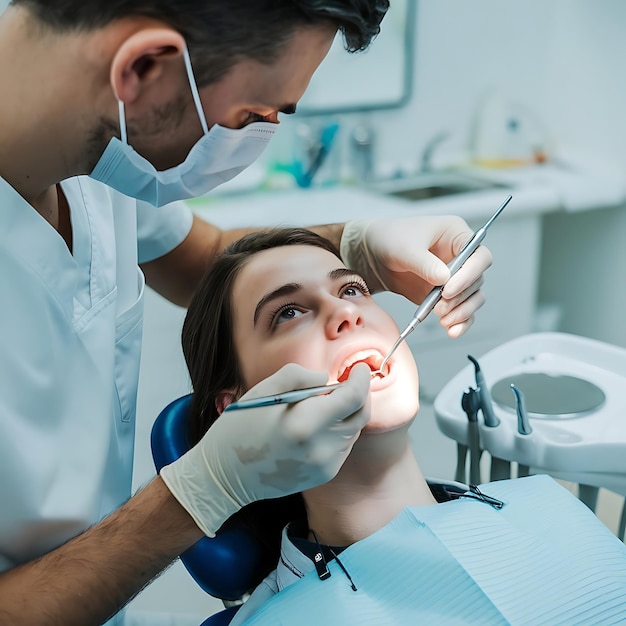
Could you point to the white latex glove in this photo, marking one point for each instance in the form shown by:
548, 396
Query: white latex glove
254, 454
409, 256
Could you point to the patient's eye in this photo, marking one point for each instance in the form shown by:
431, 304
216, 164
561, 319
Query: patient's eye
285, 313
355, 288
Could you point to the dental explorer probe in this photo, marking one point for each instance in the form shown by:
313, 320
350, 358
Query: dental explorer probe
424, 309
283, 398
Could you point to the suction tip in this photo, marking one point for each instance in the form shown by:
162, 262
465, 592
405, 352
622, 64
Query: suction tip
517, 392
523, 423
475, 362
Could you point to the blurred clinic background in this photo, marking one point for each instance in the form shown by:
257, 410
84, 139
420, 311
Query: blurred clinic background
455, 105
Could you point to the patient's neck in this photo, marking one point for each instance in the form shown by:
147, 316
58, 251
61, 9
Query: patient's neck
378, 480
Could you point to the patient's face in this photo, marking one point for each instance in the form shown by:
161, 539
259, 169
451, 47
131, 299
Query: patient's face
299, 304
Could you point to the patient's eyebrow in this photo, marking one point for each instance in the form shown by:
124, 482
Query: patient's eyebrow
284, 290
290, 288
342, 272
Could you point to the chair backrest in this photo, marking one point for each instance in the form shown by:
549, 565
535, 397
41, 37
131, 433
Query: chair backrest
230, 564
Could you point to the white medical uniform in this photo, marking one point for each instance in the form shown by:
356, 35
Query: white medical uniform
70, 344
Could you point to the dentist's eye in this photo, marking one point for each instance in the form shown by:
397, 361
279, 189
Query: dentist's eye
253, 117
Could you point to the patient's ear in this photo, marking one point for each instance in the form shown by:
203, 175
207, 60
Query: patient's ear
223, 399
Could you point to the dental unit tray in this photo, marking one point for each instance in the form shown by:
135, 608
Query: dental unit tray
575, 390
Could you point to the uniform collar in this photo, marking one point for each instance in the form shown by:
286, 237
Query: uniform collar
294, 564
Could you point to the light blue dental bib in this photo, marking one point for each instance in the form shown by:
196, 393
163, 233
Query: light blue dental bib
544, 558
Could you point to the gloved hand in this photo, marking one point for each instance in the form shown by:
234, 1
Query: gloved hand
409, 256
268, 452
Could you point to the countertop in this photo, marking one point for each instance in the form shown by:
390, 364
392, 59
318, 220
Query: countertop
536, 190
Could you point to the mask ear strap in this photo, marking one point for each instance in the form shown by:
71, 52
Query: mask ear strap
194, 90
120, 106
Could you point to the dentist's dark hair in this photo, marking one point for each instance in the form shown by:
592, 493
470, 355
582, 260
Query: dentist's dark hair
219, 33
207, 337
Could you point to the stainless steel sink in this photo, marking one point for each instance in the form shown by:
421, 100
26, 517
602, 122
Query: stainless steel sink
430, 186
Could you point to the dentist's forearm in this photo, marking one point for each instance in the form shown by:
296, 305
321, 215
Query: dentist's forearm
176, 275
332, 232
88, 579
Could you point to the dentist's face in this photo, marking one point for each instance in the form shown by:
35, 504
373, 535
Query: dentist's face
299, 304
253, 91
250, 91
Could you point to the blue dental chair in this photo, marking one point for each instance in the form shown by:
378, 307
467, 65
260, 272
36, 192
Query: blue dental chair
237, 558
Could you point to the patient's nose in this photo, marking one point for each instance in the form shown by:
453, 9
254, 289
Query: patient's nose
345, 317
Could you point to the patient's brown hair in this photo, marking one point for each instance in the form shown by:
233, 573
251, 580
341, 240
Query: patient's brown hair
207, 336
213, 365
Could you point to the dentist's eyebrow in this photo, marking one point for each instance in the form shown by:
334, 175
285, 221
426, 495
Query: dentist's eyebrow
290, 288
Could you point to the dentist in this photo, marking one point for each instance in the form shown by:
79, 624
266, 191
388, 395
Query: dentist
111, 113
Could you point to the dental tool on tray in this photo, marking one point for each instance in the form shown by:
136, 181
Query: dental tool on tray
424, 309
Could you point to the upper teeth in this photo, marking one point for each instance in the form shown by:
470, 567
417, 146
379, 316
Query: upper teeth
360, 356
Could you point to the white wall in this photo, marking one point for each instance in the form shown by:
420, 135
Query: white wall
584, 255
586, 94
463, 49
564, 59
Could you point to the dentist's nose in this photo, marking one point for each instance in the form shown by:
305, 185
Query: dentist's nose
343, 318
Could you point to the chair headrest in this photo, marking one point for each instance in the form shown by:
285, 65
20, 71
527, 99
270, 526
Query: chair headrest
169, 432
226, 566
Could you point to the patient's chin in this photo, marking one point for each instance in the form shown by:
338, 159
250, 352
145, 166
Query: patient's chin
390, 412
380, 426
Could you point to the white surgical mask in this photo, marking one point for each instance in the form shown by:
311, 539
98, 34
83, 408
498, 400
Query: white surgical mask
219, 155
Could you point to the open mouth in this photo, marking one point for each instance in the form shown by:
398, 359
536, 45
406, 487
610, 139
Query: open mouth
372, 358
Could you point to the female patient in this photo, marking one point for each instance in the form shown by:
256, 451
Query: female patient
285, 297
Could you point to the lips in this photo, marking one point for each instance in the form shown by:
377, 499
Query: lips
371, 357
